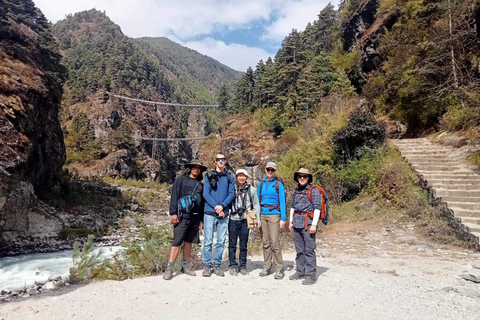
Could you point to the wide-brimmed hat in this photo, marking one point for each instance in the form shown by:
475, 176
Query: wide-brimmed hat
303, 171
242, 171
196, 162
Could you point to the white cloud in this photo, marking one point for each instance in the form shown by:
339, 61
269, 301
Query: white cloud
234, 55
184, 19
295, 15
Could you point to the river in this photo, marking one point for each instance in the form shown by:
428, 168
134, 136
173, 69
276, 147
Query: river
22, 271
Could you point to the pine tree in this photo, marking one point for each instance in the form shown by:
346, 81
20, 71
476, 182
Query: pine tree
223, 99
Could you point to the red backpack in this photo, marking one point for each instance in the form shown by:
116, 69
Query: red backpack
323, 210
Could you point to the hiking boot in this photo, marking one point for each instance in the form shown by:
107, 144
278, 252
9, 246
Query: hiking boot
308, 281
232, 271
243, 272
188, 271
296, 276
218, 271
279, 275
265, 272
168, 274
207, 271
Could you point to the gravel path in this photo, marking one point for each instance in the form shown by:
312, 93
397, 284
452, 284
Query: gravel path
366, 282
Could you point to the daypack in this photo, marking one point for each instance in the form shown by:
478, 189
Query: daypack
324, 211
186, 203
277, 182
213, 178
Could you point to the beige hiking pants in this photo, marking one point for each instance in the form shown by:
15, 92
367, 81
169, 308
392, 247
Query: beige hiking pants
271, 242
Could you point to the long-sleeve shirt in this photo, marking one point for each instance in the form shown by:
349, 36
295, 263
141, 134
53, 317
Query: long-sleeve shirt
242, 200
268, 195
301, 203
184, 186
222, 195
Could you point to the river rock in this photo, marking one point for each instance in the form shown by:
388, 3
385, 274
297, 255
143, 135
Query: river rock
54, 278
49, 285
32, 291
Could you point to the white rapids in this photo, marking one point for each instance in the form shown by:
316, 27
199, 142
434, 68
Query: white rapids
22, 271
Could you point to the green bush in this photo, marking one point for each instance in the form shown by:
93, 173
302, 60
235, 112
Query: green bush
358, 175
362, 130
84, 261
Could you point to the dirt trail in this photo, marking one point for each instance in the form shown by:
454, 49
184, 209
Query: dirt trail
364, 272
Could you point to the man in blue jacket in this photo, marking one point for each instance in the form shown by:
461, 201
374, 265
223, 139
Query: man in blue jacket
218, 192
271, 193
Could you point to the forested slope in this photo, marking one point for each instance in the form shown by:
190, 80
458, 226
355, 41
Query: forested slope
417, 61
197, 77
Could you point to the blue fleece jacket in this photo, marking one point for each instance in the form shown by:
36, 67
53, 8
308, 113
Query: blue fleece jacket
267, 193
222, 195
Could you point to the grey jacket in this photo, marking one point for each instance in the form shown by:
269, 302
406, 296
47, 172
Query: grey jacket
238, 203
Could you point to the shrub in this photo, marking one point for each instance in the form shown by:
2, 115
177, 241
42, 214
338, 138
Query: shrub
362, 130
358, 175
84, 261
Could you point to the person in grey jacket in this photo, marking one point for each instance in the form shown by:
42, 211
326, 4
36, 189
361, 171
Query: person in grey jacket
245, 199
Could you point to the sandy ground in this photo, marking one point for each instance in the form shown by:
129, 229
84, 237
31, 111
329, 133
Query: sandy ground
376, 272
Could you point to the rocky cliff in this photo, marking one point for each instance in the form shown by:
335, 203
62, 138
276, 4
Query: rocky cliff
361, 31
32, 149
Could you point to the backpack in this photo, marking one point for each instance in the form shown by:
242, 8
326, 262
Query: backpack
213, 178
277, 182
185, 204
324, 210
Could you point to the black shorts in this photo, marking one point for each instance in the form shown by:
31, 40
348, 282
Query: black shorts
186, 230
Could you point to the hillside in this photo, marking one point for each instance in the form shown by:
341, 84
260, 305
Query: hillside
415, 61
197, 77
100, 131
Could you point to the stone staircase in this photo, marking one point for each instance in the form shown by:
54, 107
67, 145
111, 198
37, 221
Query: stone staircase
454, 182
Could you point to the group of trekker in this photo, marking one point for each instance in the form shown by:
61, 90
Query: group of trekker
227, 201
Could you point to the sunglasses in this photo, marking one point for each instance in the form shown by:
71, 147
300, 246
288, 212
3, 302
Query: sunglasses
220, 159
302, 176
270, 170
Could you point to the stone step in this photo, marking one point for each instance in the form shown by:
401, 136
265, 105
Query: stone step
458, 193
451, 185
463, 213
440, 168
472, 220
460, 176
467, 200
425, 148
464, 205
411, 141
472, 227
434, 162
436, 157
426, 153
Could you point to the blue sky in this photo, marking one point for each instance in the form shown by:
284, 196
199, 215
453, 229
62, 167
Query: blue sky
236, 33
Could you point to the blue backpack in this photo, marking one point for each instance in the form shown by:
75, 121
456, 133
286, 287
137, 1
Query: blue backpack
185, 204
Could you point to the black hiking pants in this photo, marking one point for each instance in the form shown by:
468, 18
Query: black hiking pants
237, 230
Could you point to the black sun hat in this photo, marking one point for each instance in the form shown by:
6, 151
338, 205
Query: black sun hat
196, 162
